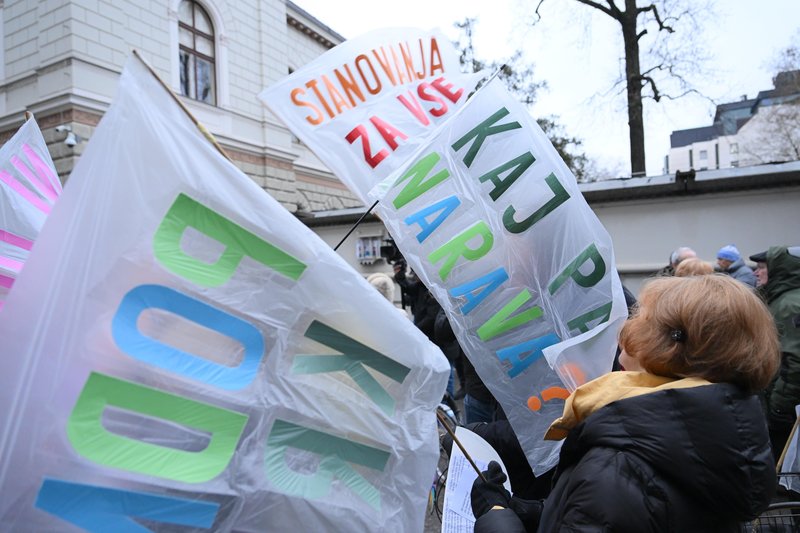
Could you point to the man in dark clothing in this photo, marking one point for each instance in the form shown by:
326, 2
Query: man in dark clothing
778, 273
423, 306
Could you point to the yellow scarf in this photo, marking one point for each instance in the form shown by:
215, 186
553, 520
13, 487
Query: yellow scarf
608, 388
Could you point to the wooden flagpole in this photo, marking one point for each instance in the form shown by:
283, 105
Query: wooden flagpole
452, 433
207, 134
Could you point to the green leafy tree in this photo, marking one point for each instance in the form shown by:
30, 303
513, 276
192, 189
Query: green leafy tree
520, 80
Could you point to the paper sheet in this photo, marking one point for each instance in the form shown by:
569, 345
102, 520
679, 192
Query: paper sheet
457, 515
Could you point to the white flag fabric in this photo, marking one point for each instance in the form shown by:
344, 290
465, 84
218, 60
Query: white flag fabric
366, 105
200, 358
493, 222
29, 187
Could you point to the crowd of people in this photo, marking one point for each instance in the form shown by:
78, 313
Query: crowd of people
684, 434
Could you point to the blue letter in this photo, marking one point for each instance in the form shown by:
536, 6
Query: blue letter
533, 348
444, 207
100, 509
131, 341
491, 281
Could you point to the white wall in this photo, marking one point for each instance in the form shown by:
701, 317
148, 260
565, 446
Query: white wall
646, 231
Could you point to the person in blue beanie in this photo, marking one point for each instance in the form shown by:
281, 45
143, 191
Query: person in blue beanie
730, 261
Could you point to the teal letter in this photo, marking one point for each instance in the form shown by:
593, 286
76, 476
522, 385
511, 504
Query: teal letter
524, 354
491, 281
416, 186
90, 439
443, 207
480, 132
355, 356
572, 270
581, 323
239, 242
335, 454
560, 195
457, 247
520, 165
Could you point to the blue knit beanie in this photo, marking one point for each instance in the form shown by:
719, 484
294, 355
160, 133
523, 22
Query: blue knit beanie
729, 253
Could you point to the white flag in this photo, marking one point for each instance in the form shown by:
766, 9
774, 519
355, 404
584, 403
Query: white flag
200, 358
493, 222
29, 187
365, 106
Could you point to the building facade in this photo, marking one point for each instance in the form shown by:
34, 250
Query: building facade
764, 129
61, 60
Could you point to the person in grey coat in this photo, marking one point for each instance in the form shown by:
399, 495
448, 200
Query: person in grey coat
730, 261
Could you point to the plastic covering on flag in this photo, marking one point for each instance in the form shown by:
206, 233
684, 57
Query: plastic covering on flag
366, 105
181, 352
492, 220
29, 187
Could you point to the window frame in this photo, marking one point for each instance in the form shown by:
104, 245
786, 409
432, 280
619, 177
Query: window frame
192, 88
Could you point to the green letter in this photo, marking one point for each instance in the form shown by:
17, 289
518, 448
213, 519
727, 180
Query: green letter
90, 439
186, 212
520, 165
356, 355
581, 323
480, 132
572, 270
416, 186
559, 197
335, 453
500, 322
457, 246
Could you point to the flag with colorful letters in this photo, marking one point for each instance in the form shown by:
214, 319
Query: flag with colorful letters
492, 220
29, 187
200, 359
366, 105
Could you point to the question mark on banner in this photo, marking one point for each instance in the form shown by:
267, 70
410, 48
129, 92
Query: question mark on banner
573, 371
550, 393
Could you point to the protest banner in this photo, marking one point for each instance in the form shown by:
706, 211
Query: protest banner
492, 220
366, 105
29, 187
200, 358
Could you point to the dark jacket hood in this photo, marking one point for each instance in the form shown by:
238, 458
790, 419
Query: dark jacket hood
711, 441
783, 271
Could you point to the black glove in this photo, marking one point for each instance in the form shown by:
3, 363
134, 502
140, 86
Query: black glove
486, 495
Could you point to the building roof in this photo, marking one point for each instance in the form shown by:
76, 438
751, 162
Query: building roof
731, 116
693, 183
680, 138
311, 26
682, 184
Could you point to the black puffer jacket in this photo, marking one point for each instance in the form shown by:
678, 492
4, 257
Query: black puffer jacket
680, 460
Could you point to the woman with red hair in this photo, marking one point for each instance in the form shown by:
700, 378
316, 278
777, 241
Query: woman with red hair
677, 441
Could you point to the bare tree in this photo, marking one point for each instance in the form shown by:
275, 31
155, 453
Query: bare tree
668, 30
772, 135
521, 81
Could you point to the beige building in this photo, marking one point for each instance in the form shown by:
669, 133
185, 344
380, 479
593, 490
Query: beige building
61, 60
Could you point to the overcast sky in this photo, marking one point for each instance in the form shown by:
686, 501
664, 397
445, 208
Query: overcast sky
577, 51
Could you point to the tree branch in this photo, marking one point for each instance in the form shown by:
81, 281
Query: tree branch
654, 9
536, 11
601, 7
647, 80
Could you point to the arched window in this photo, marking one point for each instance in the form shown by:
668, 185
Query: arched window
196, 53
